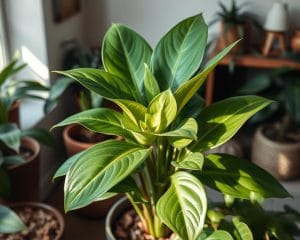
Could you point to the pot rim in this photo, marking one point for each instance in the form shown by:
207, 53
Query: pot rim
109, 217
270, 142
68, 136
47, 207
36, 148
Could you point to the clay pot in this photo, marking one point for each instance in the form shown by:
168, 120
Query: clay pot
231, 34
295, 41
114, 213
47, 208
25, 177
73, 146
282, 160
13, 113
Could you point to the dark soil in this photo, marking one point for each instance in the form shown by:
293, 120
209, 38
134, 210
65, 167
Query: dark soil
291, 136
41, 225
25, 152
87, 136
130, 227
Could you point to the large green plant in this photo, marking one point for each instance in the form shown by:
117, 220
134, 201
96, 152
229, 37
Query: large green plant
160, 164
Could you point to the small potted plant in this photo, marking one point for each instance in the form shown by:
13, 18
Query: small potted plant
160, 165
235, 24
278, 136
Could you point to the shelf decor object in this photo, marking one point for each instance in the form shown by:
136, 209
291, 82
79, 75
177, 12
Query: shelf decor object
276, 25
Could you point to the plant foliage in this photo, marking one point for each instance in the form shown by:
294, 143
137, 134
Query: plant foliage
160, 163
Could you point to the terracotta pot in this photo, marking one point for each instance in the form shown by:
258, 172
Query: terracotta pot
295, 41
70, 135
73, 146
25, 177
53, 211
282, 160
114, 213
13, 114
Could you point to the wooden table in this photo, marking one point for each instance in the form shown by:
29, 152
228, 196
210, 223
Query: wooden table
248, 61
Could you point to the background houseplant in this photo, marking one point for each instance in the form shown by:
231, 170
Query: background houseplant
236, 23
279, 133
160, 165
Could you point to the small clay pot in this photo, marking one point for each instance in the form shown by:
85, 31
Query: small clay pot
47, 208
282, 160
24, 177
295, 41
72, 133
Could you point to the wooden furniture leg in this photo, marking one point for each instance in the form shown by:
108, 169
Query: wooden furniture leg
209, 90
268, 43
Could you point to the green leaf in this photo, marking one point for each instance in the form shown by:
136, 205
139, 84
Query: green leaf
10, 135
10, 70
9, 221
216, 235
102, 83
56, 90
161, 111
102, 120
183, 207
256, 85
179, 53
239, 178
187, 90
64, 168
190, 161
151, 85
5, 186
41, 135
13, 160
220, 121
133, 110
98, 170
242, 231
124, 53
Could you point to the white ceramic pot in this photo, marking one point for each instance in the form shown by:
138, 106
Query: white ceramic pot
277, 18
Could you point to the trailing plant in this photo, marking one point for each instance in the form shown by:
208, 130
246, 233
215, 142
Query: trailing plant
283, 86
160, 164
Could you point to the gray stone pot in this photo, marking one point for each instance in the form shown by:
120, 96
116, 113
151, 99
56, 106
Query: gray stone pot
282, 160
117, 209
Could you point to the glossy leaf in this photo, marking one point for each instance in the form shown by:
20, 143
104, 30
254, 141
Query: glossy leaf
151, 85
183, 207
64, 168
102, 120
102, 83
190, 161
242, 231
179, 53
124, 53
187, 90
239, 178
99, 169
10, 136
220, 121
161, 111
9, 221
215, 235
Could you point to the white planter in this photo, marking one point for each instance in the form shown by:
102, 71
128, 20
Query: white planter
277, 18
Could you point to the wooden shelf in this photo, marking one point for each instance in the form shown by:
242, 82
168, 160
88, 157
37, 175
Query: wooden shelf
249, 61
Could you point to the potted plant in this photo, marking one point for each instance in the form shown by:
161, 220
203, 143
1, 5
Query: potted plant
278, 136
12, 90
159, 165
263, 224
235, 24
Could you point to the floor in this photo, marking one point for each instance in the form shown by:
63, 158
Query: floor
77, 227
